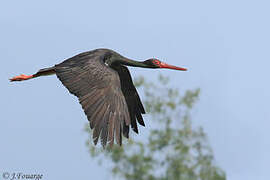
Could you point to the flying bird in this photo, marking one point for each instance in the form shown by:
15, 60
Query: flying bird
103, 84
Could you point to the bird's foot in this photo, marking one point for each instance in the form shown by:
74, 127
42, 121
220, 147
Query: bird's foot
21, 77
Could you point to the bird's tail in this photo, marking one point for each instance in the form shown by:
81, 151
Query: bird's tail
41, 72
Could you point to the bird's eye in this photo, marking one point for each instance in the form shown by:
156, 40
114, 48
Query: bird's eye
157, 62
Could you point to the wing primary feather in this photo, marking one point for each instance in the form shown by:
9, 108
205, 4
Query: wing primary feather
98, 126
126, 131
140, 118
117, 131
139, 102
96, 110
121, 134
134, 126
105, 121
133, 120
111, 128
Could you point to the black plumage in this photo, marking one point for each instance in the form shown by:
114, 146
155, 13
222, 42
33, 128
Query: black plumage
104, 87
107, 94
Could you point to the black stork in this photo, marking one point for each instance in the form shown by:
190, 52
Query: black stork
104, 87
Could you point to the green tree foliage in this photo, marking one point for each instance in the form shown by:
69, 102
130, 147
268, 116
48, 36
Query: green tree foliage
171, 148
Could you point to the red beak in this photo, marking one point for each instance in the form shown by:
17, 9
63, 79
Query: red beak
167, 66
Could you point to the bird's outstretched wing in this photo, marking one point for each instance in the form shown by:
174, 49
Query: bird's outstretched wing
98, 89
135, 106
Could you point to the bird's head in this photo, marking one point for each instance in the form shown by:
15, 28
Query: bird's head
155, 63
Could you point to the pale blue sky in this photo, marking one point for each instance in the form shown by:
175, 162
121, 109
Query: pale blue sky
225, 45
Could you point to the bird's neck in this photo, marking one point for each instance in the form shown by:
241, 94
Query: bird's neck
130, 62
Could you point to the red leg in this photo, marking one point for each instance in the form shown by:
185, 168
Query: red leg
21, 77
